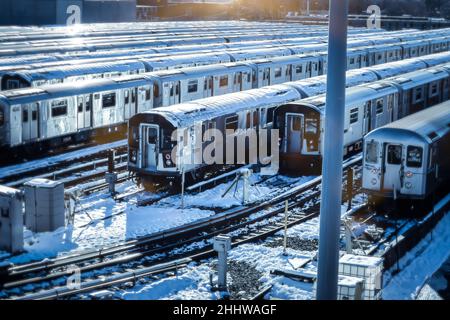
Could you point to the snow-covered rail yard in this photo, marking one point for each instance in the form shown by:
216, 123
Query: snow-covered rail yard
103, 196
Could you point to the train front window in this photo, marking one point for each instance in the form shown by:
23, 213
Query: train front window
372, 152
394, 154
152, 136
414, 157
311, 126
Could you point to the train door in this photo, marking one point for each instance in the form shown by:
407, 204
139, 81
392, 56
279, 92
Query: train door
126, 104
294, 130
88, 111
80, 112
237, 84
134, 102
149, 146
84, 113
208, 87
393, 167
266, 77
30, 122
368, 117
174, 94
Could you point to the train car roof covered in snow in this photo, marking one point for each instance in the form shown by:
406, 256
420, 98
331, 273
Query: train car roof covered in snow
63, 72
30, 95
318, 85
427, 125
413, 79
199, 71
187, 114
354, 95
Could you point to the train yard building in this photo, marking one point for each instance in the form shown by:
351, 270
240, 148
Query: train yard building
61, 12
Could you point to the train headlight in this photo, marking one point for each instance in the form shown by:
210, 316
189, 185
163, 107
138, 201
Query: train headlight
168, 163
408, 185
409, 174
167, 156
374, 181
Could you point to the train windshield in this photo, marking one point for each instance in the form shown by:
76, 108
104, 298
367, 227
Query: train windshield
414, 157
372, 152
311, 126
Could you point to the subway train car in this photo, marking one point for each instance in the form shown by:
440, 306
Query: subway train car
23, 109
408, 158
367, 107
299, 123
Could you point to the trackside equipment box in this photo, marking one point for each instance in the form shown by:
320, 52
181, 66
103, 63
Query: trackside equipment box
11, 220
44, 205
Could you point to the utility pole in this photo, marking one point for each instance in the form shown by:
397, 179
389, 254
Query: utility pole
330, 207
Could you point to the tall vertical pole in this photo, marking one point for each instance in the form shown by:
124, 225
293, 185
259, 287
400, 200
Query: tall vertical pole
330, 207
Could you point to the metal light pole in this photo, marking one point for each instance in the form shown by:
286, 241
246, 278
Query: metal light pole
330, 207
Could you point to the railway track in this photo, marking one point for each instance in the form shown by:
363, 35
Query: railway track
136, 251
69, 168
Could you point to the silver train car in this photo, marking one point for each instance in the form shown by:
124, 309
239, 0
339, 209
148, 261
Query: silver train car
23, 110
303, 129
408, 158
152, 43
276, 69
367, 107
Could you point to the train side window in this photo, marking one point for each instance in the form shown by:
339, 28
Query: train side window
380, 106
277, 72
127, 97
109, 100
298, 69
352, 60
33, 115
148, 94
192, 86
394, 154
414, 157
223, 82
2, 117
248, 122
418, 95
59, 108
255, 119
270, 113
354, 115
231, 123
372, 152
133, 96
25, 115
433, 89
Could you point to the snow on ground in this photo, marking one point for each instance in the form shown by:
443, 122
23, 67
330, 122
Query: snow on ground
419, 264
42, 163
104, 222
212, 198
193, 281
101, 221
